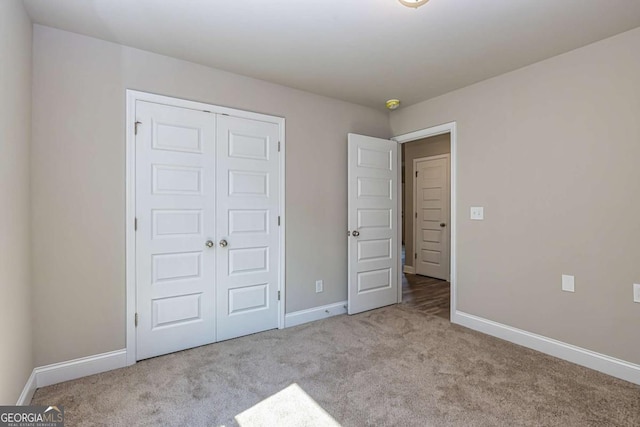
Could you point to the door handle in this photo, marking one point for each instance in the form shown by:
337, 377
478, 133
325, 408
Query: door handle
223, 243
355, 233
442, 224
209, 244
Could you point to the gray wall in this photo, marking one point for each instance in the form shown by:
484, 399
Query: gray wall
426, 147
551, 151
16, 357
78, 164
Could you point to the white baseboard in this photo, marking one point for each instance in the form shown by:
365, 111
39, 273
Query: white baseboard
316, 313
28, 390
78, 368
600, 362
409, 269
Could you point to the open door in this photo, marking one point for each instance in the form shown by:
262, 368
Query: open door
373, 222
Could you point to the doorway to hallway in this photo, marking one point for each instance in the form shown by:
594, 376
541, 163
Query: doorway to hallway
426, 224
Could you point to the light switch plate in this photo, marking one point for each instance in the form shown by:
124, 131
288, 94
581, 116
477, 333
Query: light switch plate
568, 283
636, 292
319, 286
477, 213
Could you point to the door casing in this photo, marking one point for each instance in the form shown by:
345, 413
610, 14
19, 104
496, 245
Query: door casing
132, 96
449, 128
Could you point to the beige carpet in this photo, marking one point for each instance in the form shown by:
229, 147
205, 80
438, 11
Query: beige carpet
394, 366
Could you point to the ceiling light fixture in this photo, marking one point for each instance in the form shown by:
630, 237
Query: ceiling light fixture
413, 3
392, 104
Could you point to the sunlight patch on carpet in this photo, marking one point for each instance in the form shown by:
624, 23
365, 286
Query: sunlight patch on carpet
289, 407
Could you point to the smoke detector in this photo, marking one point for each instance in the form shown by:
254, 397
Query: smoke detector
392, 104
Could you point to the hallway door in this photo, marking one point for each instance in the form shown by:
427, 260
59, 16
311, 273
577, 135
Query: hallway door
432, 212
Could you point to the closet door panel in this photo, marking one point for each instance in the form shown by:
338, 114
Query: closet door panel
175, 211
247, 226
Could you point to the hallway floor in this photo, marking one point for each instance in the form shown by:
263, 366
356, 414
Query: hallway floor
427, 294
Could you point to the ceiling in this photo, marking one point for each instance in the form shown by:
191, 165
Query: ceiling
362, 51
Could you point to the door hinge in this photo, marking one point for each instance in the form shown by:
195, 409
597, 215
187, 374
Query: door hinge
278, 220
135, 224
136, 127
136, 320
416, 214
415, 256
278, 146
278, 295
416, 174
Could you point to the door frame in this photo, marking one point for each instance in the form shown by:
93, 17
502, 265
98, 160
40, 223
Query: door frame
445, 128
415, 201
132, 96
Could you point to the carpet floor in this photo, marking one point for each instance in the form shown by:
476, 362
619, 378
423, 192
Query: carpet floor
394, 366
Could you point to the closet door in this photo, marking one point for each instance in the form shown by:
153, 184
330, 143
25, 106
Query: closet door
175, 212
247, 226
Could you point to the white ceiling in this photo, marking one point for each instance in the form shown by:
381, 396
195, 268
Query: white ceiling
363, 51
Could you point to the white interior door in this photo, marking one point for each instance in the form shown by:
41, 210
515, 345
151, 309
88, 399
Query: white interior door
431, 201
372, 212
175, 213
247, 228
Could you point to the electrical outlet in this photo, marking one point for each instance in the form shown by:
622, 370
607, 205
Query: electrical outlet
636, 292
477, 213
568, 283
319, 286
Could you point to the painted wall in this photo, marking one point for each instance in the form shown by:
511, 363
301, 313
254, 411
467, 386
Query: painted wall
78, 164
551, 151
16, 356
433, 146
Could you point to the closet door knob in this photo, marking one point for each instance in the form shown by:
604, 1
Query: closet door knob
356, 233
223, 243
209, 244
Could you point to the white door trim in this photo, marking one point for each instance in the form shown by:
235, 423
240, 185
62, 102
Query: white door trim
449, 128
132, 96
415, 198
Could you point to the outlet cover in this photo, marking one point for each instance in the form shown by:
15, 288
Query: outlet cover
568, 283
477, 213
636, 292
319, 286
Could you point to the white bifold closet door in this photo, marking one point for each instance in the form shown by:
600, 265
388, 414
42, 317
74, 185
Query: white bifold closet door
207, 240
